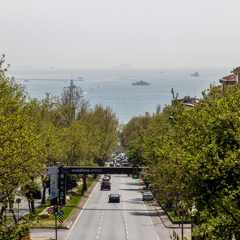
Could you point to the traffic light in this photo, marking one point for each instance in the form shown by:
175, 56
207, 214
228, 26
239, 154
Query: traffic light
181, 212
135, 172
56, 210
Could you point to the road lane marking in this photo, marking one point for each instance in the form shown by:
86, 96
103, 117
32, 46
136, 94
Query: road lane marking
81, 211
151, 221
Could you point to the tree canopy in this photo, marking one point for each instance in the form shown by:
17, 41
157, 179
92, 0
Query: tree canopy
193, 158
35, 133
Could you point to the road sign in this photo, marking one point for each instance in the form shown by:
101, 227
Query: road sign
50, 210
61, 212
61, 203
61, 198
60, 219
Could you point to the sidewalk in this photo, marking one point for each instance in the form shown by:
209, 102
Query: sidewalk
166, 222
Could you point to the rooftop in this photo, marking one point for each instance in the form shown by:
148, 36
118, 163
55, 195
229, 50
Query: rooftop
229, 80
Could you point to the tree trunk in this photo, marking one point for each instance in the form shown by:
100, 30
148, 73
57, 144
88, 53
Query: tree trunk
84, 184
29, 206
44, 193
12, 211
3, 210
32, 206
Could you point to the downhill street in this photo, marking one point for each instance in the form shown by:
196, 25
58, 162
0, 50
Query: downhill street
130, 219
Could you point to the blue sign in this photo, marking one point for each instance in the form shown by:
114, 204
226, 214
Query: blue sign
60, 212
61, 203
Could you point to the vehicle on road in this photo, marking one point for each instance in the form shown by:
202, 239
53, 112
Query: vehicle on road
117, 164
107, 175
111, 165
114, 197
148, 196
106, 179
106, 185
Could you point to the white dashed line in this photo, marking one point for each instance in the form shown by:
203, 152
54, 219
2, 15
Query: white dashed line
151, 221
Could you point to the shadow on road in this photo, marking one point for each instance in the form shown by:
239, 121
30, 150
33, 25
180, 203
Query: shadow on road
129, 189
145, 213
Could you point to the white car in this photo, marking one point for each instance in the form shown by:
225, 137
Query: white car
106, 179
148, 196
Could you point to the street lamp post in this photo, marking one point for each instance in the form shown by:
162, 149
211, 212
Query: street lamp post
192, 219
18, 202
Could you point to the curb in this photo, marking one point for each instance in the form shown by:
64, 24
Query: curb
72, 217
164, 216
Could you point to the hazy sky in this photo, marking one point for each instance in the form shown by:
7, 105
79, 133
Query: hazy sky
104, 33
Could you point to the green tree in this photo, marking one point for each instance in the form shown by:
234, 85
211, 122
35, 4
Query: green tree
22, 151
32, 192
199, 160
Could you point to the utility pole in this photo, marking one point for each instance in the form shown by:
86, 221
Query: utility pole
182, 228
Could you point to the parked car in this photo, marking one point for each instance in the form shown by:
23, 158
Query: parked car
106, 185
111, 165
148, 196
117, 164
150, 186
113, 197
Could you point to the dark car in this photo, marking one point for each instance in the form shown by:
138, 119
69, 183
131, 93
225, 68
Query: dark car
106, 185
113, 197
111, 165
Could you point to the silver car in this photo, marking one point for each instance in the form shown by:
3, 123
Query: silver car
148, 196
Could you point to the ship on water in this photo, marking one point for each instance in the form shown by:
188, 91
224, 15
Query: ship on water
141, 83
196, 74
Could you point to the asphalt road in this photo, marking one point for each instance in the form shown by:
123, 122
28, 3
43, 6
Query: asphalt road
130, 219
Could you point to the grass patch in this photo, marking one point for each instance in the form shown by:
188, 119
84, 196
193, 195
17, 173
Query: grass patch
67, 209
171, 213
175, 218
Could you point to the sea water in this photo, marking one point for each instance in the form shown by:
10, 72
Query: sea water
114, 87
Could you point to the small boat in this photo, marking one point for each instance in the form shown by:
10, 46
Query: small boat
141, 83
80, 79
196, 74
26, 80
